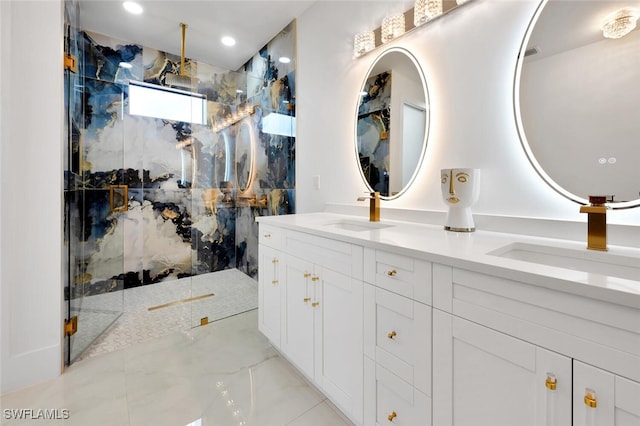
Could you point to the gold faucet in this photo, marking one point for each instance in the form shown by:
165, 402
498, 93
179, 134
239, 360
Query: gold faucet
596, 223
374, 206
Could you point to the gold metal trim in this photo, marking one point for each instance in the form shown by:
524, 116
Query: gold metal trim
123, 192
392, 416
70, 63
71, 326
177, 302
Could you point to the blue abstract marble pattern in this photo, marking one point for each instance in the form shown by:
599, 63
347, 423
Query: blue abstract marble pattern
193, 193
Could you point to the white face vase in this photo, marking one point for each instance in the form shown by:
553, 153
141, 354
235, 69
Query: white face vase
460, 190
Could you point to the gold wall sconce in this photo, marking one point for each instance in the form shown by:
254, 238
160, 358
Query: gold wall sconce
231, 119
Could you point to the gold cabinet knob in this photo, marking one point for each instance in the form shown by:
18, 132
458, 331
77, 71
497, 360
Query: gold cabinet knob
392, 416
392, 335
392, 273
274, 260
314, 279
267, 235
307, 275
590, 398
314, 304
274, 282
551, 383
306, 299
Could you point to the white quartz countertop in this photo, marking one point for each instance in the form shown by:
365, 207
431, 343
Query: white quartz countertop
472, 251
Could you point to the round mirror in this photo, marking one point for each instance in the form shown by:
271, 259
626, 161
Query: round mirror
575, 98
244, 155
391, 122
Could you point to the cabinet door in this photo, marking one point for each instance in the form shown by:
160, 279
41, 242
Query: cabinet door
483, 377
601, 398
339, 363
299, 307
269, 285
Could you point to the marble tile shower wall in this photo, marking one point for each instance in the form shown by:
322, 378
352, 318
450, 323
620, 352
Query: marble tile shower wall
150, 200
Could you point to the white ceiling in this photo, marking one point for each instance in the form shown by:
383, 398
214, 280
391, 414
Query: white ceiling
567, 24
253, 23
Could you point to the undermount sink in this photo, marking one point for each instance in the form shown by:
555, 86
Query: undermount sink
604, 263
356, 225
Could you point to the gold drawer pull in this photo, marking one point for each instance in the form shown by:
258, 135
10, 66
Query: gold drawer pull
274, 282
267, 235
590, 398
551, 383
392, 273
314, 304
314, 279
392, 335
306, 299
274, 261
307, 275
392, 416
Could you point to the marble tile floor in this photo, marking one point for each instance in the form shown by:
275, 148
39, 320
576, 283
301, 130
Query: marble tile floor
127, 318
224, 373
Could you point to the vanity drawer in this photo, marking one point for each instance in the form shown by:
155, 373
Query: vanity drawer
338, 256
398, 335
270, 236
399, 403
399, 274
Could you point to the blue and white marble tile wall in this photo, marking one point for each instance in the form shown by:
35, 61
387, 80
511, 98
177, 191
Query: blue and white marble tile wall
186, 214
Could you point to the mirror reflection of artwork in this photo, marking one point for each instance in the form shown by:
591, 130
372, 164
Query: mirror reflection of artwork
373, 131
244, 155
391, 123
576, 101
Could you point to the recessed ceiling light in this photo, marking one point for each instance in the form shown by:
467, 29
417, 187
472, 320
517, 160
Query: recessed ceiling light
132, 7
228, 41
284, 60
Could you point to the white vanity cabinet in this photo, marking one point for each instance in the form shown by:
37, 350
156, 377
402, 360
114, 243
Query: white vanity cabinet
397, 339
269, 283
603, 398
483, 377
320, 281
509, 353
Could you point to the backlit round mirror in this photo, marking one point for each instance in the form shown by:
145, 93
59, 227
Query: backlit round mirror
244, 154
392, 122
576, 101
